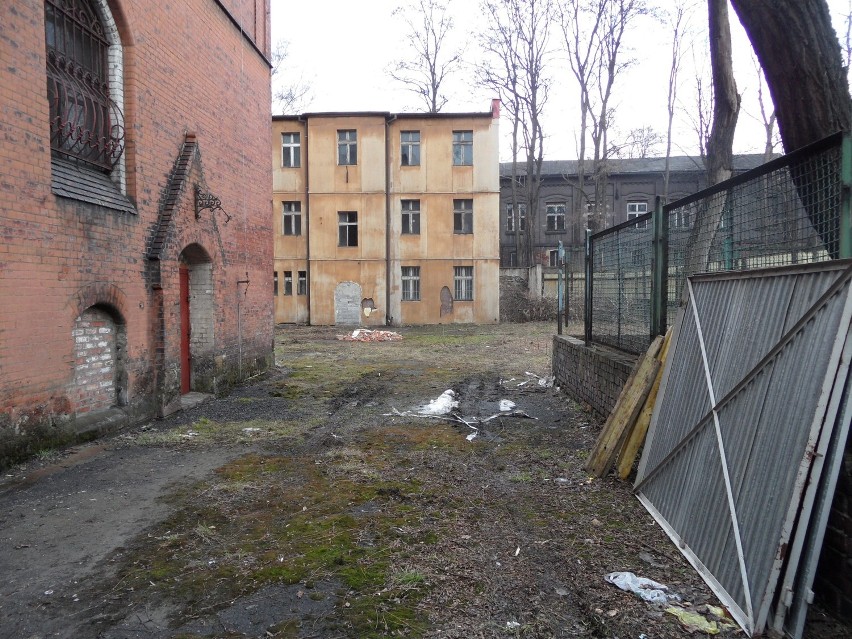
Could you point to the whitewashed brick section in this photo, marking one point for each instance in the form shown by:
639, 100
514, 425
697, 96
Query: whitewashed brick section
94, 361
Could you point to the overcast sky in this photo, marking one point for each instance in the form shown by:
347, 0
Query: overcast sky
342, 49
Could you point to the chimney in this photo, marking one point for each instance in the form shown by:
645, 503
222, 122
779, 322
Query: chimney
495, 108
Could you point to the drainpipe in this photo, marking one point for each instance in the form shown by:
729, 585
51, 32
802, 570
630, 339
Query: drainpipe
388, 121
303, 119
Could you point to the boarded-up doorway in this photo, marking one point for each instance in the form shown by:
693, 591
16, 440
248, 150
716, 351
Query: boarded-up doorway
347, 304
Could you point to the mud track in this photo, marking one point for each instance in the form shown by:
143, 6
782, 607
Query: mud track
311, 503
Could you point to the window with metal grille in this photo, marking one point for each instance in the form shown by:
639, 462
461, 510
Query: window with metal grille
292, 220
347, 147
410, 283
555, 216
553, 258
411, 217
288, 282
291, 150
463, 279
510, 217
462, 148
463, 216
347, 228
85, 123
303, 283
410, 151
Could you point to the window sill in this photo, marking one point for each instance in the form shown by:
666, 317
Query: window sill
71, 181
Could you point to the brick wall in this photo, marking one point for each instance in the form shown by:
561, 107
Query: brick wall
94, 361
592, 375
187, 67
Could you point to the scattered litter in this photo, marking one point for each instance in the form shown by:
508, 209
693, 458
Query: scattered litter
506, 405
647, 589
512, 625
251, 430
472, 436
533, 382
694, 621
442, 405
517, 551
190, 434
366, 335
562, 592
48, 592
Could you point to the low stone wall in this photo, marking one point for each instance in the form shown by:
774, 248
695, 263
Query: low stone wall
592, 374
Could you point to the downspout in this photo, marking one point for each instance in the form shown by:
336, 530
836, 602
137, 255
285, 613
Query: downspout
388, 121
304, 120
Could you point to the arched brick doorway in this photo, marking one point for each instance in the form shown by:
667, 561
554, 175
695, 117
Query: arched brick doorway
100, 348
196, 314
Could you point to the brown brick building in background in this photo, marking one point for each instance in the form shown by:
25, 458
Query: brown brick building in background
134, 209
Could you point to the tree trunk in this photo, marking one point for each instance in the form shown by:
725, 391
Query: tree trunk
726, 108
801, 59
803, 66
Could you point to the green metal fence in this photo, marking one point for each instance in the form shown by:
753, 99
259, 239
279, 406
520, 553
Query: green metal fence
794, 209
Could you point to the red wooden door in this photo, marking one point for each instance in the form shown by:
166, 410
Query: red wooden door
184, 330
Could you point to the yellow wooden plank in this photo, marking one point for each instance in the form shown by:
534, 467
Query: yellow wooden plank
626, 408
640, 429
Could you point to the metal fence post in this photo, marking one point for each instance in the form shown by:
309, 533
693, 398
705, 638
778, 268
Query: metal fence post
846, 197
587, 312
659, 269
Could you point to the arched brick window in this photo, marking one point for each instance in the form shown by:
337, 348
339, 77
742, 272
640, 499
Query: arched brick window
85, 122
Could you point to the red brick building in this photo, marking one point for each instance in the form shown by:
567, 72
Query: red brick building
136, 252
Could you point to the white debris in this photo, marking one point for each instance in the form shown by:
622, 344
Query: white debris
472, 436
647, 589
442, 405
506, 405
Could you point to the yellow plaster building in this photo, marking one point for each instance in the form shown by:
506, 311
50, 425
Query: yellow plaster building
385, 218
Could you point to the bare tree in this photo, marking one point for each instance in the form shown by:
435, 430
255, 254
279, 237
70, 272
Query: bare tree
641, 142
431, 59
288, 95
767, 114
719, 159
581, 21
803, 65
515, 44
594, 32
676, 20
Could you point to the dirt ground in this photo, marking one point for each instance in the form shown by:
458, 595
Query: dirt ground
313, 502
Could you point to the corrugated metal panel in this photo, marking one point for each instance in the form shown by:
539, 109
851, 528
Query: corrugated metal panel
746, 394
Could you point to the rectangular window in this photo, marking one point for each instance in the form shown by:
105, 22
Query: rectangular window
556, 216
411, 217
288, 282
303, 283
347, 147
410, 151
462, 148
463, 282
411, 283
679, 219
275, 283
292, 219
462, 216
291, 150
635, 209
553, 258
347, 228
510, 217
513, 258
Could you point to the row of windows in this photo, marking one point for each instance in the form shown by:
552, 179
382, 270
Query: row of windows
462, 283
347, 148
347, 221
287, 289
555, 214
